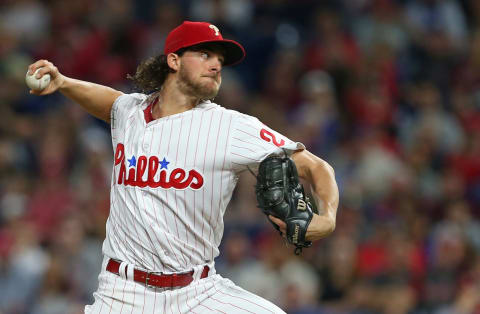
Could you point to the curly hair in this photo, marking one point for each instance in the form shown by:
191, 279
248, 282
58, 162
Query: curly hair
151, 74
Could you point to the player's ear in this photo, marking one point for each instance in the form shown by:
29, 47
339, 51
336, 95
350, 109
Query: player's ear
173, 61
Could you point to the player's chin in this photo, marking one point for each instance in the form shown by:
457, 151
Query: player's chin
210, 90
212, 83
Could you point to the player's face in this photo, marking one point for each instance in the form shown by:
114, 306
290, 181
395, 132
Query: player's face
200, 73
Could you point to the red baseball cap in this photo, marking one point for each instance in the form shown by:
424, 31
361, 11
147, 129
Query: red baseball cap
193, 33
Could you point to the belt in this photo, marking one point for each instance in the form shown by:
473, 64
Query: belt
155, 279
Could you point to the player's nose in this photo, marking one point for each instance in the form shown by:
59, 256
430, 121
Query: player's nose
216, 64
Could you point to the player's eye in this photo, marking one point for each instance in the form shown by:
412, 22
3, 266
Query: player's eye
205, 55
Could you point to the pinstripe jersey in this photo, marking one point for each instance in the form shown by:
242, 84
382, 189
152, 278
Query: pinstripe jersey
173, 178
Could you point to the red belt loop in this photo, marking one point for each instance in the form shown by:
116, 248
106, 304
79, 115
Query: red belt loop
205, 271
158, 280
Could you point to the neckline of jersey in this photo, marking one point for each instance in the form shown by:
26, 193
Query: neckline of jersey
149, 120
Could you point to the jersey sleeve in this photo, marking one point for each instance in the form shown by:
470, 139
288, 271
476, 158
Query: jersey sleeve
122, 108
252, 141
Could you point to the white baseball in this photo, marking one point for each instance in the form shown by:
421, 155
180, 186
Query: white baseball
37, 84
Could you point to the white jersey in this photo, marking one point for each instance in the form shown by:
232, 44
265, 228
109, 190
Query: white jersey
173, 178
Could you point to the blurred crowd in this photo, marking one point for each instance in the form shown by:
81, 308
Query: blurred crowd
386, 91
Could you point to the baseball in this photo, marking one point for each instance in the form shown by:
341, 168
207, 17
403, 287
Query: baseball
37, 84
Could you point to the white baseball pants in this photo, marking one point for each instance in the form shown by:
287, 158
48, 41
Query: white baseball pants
213, 294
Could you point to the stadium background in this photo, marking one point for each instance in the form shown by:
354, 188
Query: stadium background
387, 91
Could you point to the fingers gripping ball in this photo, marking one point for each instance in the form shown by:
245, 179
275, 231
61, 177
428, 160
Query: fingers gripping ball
37, 84
280, 194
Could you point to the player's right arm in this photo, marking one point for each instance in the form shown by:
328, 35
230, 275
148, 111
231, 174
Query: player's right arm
96, 99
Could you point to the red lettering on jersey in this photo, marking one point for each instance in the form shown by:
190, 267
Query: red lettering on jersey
195, 175
264, 133
131, 177
152, 170
119, 153
177, 179
119, 158
141, 167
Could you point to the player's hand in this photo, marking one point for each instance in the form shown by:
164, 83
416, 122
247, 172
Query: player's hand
56, 79
280, 223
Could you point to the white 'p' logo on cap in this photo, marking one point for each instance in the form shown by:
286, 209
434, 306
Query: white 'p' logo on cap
217, 31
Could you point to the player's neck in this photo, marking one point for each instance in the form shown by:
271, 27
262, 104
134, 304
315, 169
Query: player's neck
171, 101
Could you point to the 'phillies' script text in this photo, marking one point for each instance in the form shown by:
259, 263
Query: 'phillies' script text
177, 179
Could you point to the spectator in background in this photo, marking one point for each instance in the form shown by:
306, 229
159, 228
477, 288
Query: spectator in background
438, 34
27, 20
440, 20
446, 261
232, 14
316, 118
24, 268
383, 26
431, 123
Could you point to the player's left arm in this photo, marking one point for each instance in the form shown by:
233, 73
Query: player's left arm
321, 176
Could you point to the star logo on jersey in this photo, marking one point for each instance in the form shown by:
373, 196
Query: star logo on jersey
132, 162
163, 164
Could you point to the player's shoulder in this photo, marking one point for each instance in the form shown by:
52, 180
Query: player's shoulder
236, 115
125, 104
245, 119
131, 99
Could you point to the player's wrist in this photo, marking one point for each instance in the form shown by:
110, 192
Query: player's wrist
320, 227
62, 82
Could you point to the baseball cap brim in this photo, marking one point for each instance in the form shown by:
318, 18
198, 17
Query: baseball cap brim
234, 52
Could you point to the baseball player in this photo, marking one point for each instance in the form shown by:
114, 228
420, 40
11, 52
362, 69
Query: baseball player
177, 157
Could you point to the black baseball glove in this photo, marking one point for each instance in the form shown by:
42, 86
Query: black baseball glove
280, 194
